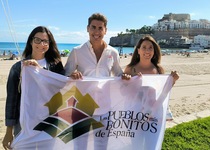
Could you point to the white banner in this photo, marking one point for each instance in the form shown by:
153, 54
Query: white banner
58, 113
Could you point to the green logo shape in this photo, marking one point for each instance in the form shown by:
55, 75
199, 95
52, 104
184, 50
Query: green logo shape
70, 115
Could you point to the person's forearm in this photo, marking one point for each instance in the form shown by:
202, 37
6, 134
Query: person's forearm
9, 129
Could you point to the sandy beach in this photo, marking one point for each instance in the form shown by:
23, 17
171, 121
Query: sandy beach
190, 95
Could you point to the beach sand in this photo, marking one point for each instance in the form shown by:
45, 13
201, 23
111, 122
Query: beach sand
190, 96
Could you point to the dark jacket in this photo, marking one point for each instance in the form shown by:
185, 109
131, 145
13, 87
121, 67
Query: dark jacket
12, 111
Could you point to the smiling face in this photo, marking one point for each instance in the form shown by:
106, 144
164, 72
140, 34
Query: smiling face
146, 50
96, 30
40, 45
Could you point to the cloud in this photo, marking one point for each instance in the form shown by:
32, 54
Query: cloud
112, 33
25, 21
79, 36
152, 17
53, 28
61, 36
192, 14
195, 16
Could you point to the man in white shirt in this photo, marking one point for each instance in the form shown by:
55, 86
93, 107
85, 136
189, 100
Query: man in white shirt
95, 58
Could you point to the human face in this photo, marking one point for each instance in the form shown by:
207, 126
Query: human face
146, 50
40, 44
96, 30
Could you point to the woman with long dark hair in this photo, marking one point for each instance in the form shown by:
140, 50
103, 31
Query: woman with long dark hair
146, 60
41, 50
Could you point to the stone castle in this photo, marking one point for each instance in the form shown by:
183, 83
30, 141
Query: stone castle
170, 26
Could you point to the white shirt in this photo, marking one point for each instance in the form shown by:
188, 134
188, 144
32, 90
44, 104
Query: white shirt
42, 62
83, 59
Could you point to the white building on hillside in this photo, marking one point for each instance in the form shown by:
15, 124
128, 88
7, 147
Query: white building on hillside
169, 23
202, 40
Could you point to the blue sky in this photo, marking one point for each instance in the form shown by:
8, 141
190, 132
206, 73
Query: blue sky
67, 19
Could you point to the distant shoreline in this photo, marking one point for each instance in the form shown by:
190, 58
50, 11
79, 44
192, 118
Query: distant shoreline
165, 47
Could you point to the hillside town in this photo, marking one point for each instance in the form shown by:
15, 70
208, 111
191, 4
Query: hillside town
171, 31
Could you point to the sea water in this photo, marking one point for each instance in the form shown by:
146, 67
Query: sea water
10, 47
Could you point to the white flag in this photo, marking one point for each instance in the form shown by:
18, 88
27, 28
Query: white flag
58, 113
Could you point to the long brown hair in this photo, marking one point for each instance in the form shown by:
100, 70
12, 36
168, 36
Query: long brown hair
156, 59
